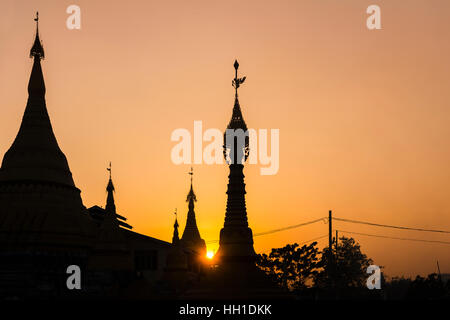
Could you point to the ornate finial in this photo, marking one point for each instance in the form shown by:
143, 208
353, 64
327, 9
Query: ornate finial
191, 197
191, 173
175, 238
110, 205
109, 169
37, 50
110, 187
232, 149
237, 81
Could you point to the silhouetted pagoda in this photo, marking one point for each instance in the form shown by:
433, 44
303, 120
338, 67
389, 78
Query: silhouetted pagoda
110, 252
44, 226
43, 223
236, 238
191, 236
236, 275
176, 271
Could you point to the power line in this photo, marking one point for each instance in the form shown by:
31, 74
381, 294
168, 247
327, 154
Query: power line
390, 226
280, 229
288, 227
309, 241
326, 235
386, 237
343, 220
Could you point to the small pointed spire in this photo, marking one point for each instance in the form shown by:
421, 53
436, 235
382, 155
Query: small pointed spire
36, 85
191, 197
109, 170
191, 235
175, 238
37, 51
110, 204
237, 121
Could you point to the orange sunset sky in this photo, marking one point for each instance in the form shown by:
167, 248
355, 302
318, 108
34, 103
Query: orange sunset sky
363, 115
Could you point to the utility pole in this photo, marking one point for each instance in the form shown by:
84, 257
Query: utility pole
336, 239
330, 230
336, 253
439, 270
330, 248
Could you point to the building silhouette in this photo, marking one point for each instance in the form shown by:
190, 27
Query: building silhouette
45, 228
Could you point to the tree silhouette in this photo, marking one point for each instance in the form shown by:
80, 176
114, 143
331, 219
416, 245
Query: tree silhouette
431, 287
291, 266
347, 268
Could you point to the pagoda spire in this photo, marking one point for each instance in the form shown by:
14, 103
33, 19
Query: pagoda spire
36, 85
191, 197
236, 238
111, 251
236, 275
35, 155
191, 236
37, 50
237, 120
110, 204
176, 262
175, 237
41, 211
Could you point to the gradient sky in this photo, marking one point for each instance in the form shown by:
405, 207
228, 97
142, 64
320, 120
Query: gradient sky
363, 115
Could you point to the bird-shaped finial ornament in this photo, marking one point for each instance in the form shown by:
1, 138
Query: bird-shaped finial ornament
237, 81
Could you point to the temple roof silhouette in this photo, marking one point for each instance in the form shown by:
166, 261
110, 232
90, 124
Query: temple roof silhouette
44, 226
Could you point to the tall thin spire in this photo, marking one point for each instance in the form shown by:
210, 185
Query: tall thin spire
237, 276
236, 238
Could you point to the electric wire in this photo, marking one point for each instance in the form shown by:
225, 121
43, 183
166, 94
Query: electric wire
280, 229
396, 238
389, 226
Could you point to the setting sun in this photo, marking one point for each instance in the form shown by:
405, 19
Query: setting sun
210, 254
